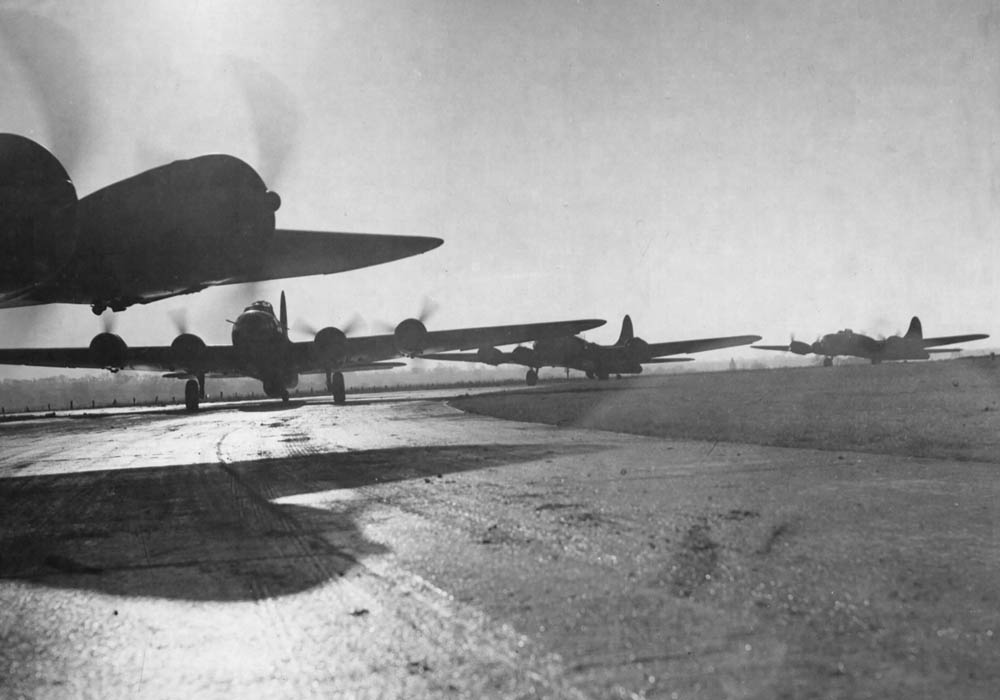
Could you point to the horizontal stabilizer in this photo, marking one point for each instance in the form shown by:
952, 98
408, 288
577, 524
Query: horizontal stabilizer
948, 340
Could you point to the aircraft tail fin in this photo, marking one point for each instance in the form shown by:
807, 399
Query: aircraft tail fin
915, 330
626, 334
283, 315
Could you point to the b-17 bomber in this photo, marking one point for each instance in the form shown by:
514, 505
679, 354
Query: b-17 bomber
175, 229
911, 346
627, 356
261, 349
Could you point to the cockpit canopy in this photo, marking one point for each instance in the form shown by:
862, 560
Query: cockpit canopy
261, 306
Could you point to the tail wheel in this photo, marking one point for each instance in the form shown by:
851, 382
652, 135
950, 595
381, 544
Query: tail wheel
191, 394
531, 378
336, 387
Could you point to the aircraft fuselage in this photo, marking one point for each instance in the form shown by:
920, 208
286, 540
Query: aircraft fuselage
576, 353
170, 230
263, 351
847, 342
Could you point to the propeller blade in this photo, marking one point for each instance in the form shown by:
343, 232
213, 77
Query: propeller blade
353, 324
180, 320
427, 309
304, 327
275, 114
52, 60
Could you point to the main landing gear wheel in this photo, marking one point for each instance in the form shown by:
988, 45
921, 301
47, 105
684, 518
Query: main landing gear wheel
828, 362
531, 378
590, 375
335, 385
191, 394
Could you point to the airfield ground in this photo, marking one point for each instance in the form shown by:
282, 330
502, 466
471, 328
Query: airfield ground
397, 547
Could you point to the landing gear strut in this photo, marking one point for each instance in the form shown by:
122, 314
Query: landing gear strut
531, 378
335, 385
192, 392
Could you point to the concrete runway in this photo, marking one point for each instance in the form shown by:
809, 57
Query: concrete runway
396, 547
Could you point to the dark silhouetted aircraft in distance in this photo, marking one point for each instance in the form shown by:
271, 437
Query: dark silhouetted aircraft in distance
912, 346
626, 356
261, 349
175, 229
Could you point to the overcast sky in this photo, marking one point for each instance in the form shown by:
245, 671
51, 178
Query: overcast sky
711, 168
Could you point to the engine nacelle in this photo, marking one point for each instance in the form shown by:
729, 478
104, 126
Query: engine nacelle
108, 351
410, 337
800, 348
637, 350
330, 347
489, 356
187, 351
524, 356
38, 229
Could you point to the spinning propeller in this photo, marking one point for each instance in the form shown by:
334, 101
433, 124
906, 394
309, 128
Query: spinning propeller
53, 63
409, 334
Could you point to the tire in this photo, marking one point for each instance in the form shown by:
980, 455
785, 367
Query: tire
192, 393
337, 388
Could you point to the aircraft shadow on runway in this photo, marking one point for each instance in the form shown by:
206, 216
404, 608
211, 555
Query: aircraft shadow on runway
210, 531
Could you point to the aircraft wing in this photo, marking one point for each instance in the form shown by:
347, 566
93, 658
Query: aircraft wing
492, 336
376, 348
949, 339
299, 253
217, 360
498, 359
683, 347
366, 367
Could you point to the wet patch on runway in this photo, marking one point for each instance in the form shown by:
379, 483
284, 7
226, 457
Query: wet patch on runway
695, 561
777, 532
